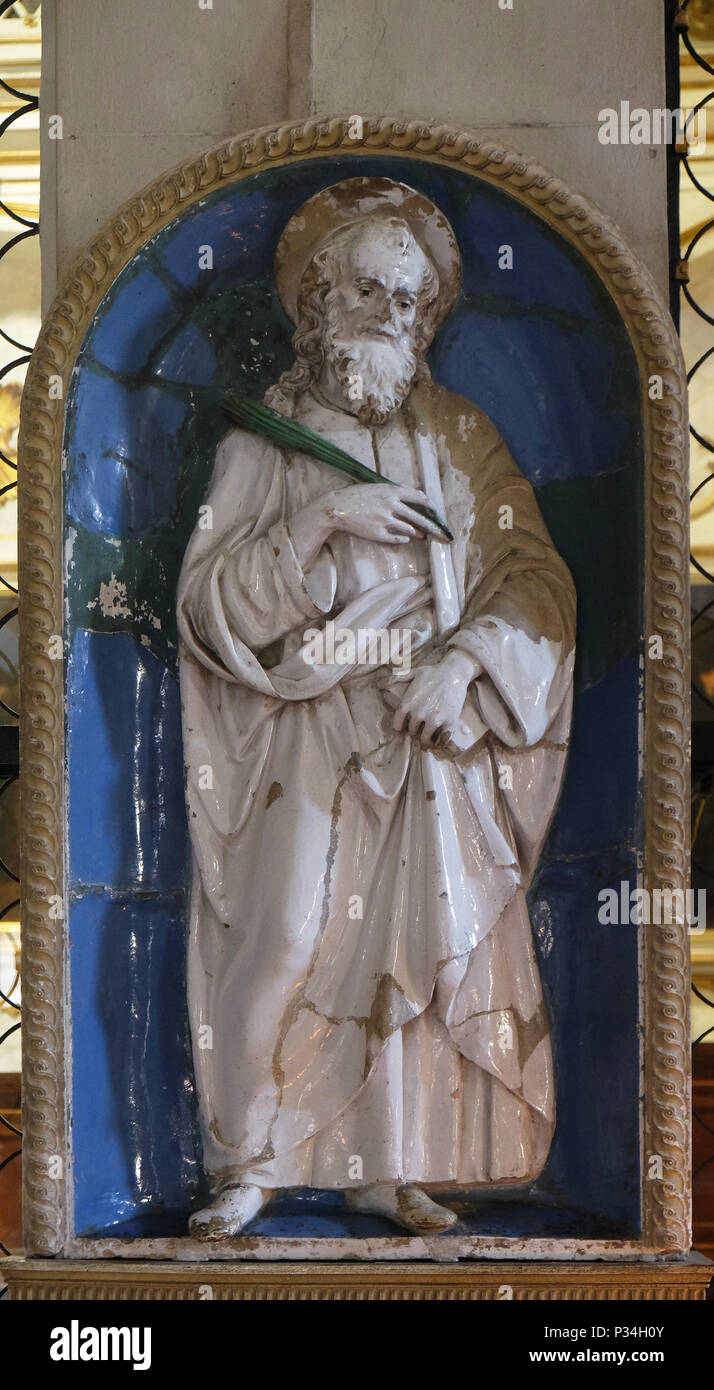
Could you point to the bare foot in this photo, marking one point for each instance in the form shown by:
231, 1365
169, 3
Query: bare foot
405, 1204
229, 1212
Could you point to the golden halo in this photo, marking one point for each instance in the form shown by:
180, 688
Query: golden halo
352, 200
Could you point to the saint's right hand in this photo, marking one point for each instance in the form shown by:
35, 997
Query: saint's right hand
378, 512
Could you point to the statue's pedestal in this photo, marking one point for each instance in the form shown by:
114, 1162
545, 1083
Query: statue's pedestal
489, 1279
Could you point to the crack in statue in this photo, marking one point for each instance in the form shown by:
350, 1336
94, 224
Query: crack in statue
360, 947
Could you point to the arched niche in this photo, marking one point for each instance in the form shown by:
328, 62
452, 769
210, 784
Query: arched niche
574, 357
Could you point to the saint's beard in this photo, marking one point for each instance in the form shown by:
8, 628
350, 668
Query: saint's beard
384, 368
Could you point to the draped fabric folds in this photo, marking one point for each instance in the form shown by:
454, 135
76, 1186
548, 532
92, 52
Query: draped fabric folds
362, 977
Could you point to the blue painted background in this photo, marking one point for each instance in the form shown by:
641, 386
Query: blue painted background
542, 350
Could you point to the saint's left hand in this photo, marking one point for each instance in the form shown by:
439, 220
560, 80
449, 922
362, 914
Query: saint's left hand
430, 707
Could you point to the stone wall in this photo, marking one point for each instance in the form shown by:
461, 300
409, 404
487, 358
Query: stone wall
147, 83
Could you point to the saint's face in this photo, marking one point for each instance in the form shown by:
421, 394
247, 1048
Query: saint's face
375, 294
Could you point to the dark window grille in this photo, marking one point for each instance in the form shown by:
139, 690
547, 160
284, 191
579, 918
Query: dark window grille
689, 24
20, 103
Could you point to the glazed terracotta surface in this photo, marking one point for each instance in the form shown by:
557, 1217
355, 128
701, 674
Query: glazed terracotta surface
365, 973
375, 1010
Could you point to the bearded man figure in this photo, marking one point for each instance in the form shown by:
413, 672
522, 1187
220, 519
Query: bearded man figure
365, 1001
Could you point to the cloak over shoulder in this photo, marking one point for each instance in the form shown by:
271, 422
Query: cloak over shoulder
303, 800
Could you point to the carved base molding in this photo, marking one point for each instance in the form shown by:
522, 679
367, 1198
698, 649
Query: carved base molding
380, 1282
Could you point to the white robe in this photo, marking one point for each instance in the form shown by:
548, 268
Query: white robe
412, 1037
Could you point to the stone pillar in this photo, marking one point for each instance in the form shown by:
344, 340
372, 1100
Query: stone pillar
148, 83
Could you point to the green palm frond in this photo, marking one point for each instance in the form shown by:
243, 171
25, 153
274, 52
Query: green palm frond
290, 434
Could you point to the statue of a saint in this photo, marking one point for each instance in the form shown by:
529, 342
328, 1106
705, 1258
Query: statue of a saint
365, 1001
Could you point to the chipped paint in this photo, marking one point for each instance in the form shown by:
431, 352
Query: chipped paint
112, 599
439, 1249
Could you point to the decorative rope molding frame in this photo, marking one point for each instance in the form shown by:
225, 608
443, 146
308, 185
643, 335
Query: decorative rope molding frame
666, 1128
